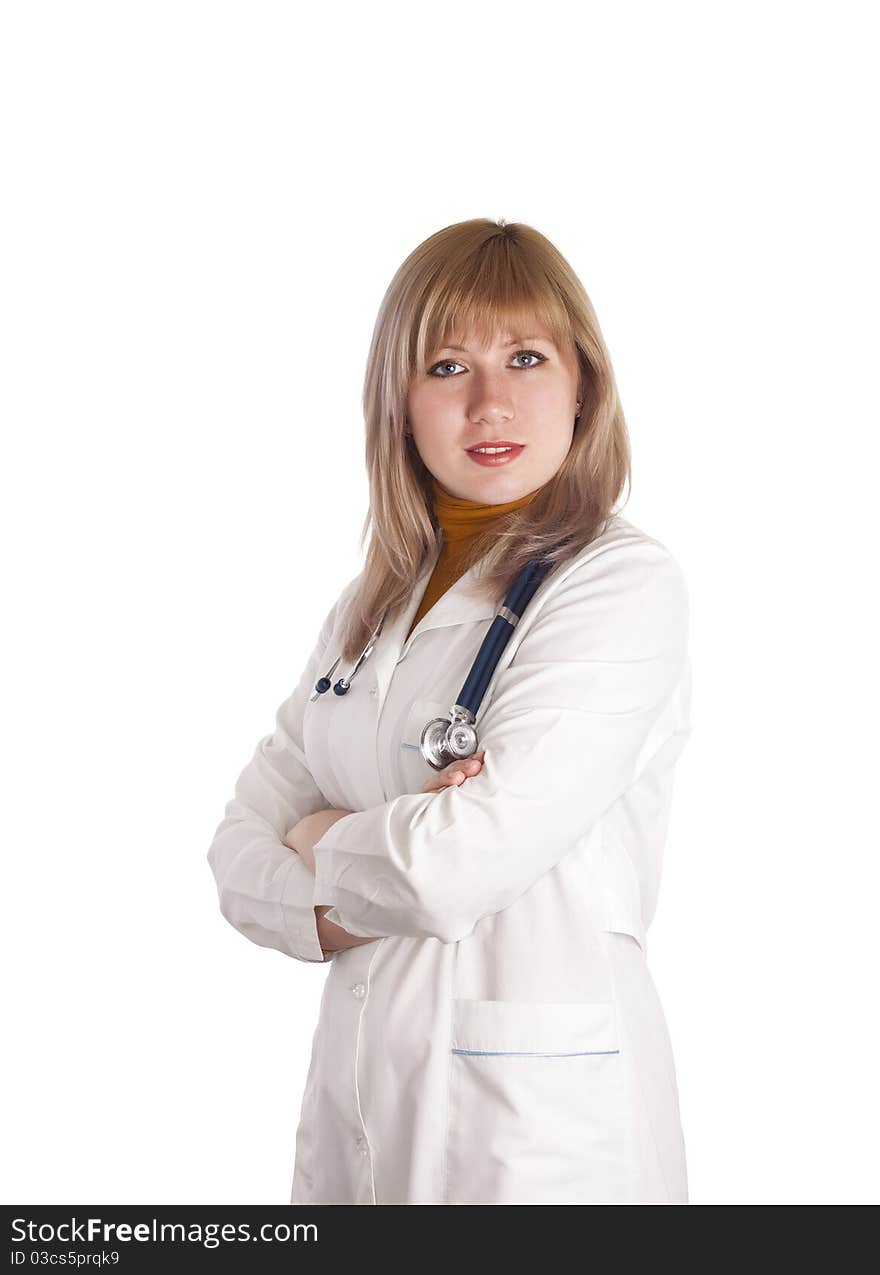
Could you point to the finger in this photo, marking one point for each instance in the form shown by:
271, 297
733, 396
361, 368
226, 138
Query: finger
468, 763
455, 772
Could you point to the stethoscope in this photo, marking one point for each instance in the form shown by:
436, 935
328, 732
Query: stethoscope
453, 738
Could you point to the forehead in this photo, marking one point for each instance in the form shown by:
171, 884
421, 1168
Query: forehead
470, 339
471, 323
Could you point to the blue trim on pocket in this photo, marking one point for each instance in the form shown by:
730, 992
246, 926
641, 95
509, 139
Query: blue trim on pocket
534, 1053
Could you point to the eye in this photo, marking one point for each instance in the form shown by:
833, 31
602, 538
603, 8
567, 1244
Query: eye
444, 363
531, 354
528, 354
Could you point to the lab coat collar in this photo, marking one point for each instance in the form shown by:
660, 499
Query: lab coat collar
458, 605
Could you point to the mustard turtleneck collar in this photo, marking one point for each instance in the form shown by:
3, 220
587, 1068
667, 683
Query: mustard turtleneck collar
460, 519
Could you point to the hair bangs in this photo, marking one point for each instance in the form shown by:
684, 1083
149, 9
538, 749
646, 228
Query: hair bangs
487, 304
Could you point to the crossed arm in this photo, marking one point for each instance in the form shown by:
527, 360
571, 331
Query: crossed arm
304, 835
573, 722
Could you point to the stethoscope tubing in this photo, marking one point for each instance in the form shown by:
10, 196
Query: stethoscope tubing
499, 634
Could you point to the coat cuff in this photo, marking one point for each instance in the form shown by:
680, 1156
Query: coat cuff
332, 860
298, 912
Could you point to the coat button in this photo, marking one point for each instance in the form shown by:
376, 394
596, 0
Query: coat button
361, 1144
358, 990
374, 690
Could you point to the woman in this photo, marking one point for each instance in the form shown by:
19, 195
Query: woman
489, 1030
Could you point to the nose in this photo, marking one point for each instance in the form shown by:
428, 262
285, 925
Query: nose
490, 398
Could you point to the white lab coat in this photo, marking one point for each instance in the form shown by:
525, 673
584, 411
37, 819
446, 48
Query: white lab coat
502, 1041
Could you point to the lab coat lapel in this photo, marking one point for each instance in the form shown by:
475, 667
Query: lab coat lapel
456, 606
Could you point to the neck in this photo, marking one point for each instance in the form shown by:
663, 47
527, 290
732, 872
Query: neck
461, 518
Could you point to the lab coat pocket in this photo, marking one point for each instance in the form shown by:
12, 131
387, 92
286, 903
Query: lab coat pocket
537, 1104
414, 770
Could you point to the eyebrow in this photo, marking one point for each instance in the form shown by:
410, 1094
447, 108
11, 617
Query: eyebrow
517, 340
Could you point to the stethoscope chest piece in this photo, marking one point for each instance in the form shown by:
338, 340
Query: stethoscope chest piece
444, 740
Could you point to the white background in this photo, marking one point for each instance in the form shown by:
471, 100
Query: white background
203, 205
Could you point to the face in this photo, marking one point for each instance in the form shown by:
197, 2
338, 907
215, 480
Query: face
516, 391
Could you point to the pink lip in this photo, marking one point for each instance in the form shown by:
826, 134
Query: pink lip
499, 458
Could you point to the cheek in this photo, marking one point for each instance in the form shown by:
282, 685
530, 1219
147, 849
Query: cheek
423, 402
434, 424
553, 449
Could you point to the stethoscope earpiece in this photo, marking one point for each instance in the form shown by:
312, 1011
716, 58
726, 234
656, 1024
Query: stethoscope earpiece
343, 686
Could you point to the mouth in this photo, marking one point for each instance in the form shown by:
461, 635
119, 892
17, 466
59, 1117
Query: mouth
499, 453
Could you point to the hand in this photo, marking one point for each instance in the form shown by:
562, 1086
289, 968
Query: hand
302, 838
455, 774
332, 937
304, 835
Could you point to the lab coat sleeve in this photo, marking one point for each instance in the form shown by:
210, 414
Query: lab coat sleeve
573, 721
265, 889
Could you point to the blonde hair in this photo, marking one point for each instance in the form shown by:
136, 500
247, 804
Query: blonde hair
487, 277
